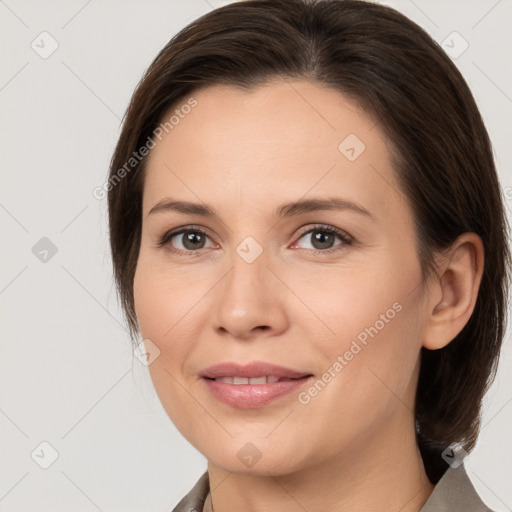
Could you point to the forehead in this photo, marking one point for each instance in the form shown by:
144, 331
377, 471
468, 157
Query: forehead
280, 139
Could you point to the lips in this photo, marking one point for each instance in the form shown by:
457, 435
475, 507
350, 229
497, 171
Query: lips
252, 370
253, 385
266, 379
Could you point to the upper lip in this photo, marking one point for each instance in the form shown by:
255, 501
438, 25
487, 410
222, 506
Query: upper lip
251, 370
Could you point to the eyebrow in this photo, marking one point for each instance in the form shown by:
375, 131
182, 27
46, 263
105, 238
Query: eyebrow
285, 210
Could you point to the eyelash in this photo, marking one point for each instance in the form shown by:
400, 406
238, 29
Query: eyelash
346, 239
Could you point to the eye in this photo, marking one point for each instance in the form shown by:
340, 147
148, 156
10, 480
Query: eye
324, 239
186, 240
190, 240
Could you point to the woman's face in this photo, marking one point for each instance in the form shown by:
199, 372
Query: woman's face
307, 260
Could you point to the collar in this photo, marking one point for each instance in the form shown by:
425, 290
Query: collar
453, 493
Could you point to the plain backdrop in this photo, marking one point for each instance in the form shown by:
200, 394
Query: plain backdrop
67, 375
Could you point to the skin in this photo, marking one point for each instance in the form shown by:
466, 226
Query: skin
352, 447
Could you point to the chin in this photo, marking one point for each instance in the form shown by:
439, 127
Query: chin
259, 457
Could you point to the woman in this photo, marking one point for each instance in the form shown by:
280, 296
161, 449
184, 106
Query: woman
307, 230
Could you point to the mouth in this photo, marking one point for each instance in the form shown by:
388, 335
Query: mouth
254, 385
266, 379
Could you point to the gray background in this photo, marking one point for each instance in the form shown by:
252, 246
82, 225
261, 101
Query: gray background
67, 375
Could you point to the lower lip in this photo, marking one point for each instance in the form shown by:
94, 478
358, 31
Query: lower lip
251, 396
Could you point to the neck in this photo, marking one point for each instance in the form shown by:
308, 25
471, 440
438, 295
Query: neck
385, 472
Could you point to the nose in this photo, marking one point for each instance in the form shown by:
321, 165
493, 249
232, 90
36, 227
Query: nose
250, 301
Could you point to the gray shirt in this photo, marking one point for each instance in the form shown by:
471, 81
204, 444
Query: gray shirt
453, 493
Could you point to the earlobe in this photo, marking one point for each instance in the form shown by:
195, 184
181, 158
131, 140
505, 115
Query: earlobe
454, 291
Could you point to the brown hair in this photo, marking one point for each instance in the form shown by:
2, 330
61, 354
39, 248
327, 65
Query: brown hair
442, 155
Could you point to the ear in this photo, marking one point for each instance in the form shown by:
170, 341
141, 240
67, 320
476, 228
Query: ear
453, 292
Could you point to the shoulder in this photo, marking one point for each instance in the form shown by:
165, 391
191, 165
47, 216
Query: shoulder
455, 492
194, 500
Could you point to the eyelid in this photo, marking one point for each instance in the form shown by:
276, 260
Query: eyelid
328, 228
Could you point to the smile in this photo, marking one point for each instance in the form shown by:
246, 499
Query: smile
253, 385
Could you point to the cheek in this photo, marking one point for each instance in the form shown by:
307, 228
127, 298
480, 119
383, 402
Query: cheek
374, 320
374, 358
371, 369
164, 298
170, 310
147, 301
350, 299
164, 306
